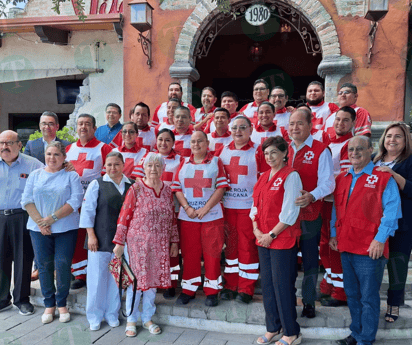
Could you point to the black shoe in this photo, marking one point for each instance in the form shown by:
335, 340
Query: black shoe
244, 297
308, 311
6, 306
184, 298
227, 294
332, 302
347, 341
26, 309
212, 300
77, 284
169, 293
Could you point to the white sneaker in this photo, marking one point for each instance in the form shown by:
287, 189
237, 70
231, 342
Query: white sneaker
95, 327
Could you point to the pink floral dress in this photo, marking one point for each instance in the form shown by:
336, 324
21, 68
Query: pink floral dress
147, 223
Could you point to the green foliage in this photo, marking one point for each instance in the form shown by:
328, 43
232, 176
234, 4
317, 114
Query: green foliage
66, 133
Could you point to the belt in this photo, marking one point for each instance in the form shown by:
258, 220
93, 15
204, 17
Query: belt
11, 211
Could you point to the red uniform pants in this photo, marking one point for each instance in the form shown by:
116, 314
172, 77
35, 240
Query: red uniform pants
197, 240
332, 283
79, 262
242, 259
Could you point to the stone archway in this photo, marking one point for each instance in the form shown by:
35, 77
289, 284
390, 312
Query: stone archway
332, 68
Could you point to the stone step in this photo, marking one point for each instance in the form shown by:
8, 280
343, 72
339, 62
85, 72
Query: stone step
235, 317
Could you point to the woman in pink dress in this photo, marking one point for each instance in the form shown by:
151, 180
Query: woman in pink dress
147, 223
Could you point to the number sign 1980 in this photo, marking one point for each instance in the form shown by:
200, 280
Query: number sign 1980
257, 15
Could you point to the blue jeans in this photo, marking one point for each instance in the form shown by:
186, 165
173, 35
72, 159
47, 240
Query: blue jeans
54, 251
363, 278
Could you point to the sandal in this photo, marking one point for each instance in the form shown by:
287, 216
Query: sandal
392, 313
274, 338
297, 341
131, 329
152, 328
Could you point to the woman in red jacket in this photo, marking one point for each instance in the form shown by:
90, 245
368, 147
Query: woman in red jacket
274, 215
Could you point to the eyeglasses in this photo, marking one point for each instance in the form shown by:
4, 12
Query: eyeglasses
241, 128
356, 149
260, 89
278, 96
48, 124
8, 143
346, 92
131, 131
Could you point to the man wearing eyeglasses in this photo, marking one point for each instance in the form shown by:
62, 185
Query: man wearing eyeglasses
321, 110
49, 125
278, 97
260, 94
15, 243
347, 97
365, 213
107, 132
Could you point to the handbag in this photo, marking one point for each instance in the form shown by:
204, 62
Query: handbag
123, 276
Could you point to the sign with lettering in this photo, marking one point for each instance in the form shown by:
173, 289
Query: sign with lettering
257, 15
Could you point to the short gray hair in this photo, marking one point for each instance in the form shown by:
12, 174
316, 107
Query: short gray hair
364, 138
153, 158
58, 145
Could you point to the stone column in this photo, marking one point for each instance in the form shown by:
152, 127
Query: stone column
333, 68
187, 74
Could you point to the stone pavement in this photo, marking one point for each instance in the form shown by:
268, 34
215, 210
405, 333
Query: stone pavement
16, 329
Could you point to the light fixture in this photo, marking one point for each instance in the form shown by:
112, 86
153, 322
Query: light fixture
141, 18
286, 28
377, 9
256, 52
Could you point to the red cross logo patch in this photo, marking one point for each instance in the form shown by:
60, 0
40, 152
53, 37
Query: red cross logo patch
277, 182
234, 169
372, 179
309, 155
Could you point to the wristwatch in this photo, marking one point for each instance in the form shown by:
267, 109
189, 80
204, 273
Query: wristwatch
313, 198
54, 217
272, 235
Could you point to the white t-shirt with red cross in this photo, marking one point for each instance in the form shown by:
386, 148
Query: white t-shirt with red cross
282, 118
182, 142
163, 125
321, 112
160, 114
339, 149
250, 110
259, 134
133, 160
243, 167
198, 182
146, 138
217, 142
88, 160
363, 124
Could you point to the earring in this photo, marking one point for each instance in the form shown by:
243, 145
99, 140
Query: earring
285, 159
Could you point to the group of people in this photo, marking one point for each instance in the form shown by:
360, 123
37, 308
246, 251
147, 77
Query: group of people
268, 185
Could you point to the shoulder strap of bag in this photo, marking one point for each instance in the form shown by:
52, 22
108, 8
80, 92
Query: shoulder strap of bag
123, 260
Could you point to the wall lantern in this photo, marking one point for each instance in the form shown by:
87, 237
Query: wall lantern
141, 18
377, 9
256, 52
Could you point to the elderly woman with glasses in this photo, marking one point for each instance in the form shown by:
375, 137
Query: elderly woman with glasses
132, 153
243, 162
147, 223
395, 156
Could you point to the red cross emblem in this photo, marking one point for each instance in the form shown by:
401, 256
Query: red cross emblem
277, 182
372, 179
198, 182
309, 155
81, 163
234, 170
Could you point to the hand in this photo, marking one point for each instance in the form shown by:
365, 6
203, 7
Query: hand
304, 200
386, 169
258, 234
290, 109
92, 243
333, 244
265, 240
376, 249
45, 230
201, 212
118, 250
46, 221
68, 166
174, 250
191, 212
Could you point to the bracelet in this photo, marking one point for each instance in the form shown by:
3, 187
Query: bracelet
186, 207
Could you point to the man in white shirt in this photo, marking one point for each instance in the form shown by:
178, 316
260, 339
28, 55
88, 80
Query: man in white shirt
279, 97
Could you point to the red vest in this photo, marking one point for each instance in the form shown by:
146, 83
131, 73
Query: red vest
358, 219
268, 199
306, 163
